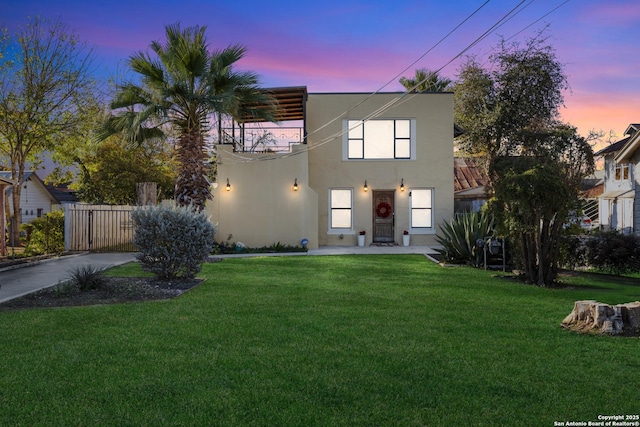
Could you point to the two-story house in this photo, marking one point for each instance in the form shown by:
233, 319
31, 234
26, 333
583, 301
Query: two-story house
378, 164
618, 207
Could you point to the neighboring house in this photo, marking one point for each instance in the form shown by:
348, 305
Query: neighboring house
468, 185
375, 163
4, 184
618, 209
36, 198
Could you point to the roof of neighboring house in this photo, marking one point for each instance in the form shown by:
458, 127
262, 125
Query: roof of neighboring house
616, 146
6, 175
6, 181
466, 175
30, 175
594, 191
62, 193
632, 129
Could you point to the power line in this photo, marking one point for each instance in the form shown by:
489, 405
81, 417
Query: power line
503, 20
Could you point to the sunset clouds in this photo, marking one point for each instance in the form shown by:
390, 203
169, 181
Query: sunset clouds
360, 46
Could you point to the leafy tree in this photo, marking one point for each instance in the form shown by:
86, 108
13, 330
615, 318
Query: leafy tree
535, 163
45, 84
426, 81
522, 88
110, 173
535, 194
179, 91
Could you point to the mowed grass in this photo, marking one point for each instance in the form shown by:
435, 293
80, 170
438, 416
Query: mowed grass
321, 341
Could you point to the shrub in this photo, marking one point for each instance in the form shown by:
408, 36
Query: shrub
460, 235
614, 252
573, 251
173, 241
87, 277
46, 234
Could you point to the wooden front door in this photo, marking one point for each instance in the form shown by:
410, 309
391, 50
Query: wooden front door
383, 216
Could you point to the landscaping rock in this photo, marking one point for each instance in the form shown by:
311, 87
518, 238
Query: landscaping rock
594, 316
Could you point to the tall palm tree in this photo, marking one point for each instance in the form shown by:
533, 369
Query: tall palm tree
178, 93
426, 81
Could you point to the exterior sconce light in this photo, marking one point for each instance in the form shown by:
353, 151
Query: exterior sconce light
402, 184
366, 187
228, 187
295, 185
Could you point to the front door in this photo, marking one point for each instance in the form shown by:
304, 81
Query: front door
383, 216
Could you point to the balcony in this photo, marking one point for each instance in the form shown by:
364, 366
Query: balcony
253, 135
262, 139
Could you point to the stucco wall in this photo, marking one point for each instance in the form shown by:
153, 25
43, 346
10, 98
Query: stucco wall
432, 167
261, 208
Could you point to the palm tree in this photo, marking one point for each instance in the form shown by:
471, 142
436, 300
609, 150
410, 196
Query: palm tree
426, 81
178, 93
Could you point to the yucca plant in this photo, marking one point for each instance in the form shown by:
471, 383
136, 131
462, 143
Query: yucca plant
459, 237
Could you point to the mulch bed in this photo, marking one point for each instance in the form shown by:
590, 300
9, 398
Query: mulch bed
112, 290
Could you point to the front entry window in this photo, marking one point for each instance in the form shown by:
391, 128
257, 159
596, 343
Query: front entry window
341, 209
422, 208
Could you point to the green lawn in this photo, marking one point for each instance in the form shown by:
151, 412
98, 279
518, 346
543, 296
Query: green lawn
321, 341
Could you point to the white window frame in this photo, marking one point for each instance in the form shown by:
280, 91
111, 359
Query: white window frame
340, 230
430, 209
355, 130
624, 170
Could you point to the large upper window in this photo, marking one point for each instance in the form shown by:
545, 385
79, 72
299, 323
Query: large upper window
384, 139
340, 209
421, 208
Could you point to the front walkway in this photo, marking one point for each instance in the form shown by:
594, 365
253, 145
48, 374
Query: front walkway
369, 250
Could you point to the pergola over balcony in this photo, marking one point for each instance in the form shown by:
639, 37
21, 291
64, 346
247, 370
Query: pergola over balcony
254, 135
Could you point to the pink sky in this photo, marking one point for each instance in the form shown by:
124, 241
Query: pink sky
360, 46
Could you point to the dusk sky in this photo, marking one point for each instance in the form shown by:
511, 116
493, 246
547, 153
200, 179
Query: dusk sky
365, 46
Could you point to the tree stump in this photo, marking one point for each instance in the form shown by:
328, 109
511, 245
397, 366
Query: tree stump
594, 316
147, 193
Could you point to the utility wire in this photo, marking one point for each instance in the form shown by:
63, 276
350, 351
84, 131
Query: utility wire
507, 17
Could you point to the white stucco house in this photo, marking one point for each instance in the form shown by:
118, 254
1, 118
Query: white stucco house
619, 209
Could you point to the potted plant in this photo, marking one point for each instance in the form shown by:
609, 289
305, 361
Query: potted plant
361, 238
406, 238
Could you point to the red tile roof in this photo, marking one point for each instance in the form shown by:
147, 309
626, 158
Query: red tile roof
466, 175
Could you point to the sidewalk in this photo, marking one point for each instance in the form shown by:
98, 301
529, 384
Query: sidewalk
16, 282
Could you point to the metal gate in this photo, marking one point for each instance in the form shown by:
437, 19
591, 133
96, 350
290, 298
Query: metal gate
99, 228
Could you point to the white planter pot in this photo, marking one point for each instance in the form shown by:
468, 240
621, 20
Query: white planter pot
361, 239
406, 239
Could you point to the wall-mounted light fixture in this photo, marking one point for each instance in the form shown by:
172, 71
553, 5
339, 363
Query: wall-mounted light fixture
366, 187
402, 184
295, 185
228, 187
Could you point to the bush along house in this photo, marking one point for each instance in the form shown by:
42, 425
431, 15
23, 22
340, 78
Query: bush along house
355, 164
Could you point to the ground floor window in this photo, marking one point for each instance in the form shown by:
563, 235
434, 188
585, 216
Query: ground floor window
340, 209
421, 209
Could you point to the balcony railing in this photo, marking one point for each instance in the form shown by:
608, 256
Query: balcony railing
263, 139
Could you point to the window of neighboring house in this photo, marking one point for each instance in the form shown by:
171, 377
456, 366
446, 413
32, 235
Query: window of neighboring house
40, 211
340, 209
622, 171
385, 139
421, 209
